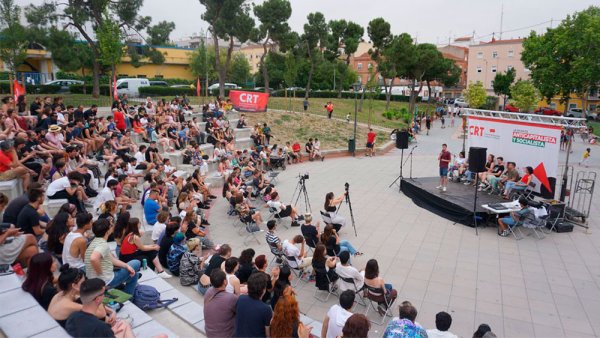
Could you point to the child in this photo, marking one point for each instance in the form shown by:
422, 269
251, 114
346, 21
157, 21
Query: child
586, 157
348, 118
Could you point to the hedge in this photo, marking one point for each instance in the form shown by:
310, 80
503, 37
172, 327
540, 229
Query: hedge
78, 89
329, 94
31, 89
166, 91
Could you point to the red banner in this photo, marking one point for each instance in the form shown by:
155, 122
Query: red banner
198, 88
18, 89
249, 101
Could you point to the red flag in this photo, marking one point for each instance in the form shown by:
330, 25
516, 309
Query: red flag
540, 174
18, 89
115, 93
198, 87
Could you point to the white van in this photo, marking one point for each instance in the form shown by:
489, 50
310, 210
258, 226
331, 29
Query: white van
131, 86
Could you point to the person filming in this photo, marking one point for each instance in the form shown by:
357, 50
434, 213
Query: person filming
331, 204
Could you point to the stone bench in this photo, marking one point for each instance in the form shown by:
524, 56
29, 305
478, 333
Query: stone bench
242, 133
244, 143
52, 206
12, 189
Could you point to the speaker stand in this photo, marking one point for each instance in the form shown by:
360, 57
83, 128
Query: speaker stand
399, 178
475, 204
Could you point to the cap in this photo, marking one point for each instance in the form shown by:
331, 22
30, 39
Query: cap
178, 238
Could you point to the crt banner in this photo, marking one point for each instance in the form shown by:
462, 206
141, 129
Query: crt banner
249, 101
526, 143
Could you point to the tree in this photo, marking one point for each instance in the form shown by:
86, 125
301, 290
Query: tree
425, 57
348, 35
291, 70
86, 17
110, 46
14, 42
379, 32
315, 33
202, 63
443, 71
524, 95
229, 20
239, 71
159, 34
273, 29
502, 83
475, 94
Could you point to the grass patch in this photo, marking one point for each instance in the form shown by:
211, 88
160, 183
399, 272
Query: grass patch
333, 134
596, 126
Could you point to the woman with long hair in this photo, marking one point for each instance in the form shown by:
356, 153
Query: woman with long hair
320, 263
40, 278
120, 226
283, 285
331, 204
519, 185
57, 230
334, 244
133, 248
373, 280
65, 302
246, 265
286, 318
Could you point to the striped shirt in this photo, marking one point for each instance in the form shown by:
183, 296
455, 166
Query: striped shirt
273, 242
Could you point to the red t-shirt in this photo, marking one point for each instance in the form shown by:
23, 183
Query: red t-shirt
120, 120
5, 161
371, 137
445, 156
296, 147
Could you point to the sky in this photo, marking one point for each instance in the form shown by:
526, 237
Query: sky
432, 21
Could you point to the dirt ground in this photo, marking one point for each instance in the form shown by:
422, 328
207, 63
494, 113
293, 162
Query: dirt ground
292, 127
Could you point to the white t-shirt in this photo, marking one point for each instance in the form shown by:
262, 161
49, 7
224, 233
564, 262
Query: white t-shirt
106, 194
157, 229
58, 185
289, 249
276, 205
435, 333
140, 157
349, 272
337, 319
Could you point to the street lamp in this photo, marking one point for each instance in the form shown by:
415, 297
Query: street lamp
356, 88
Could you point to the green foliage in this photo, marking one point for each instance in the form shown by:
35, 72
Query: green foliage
503, 81
109, 39
78, 89
166, 91
158, 35
329, 94
291, 69
31, 89
239, 69
14, 42
475, 94
397, 114
524, 95
491, 103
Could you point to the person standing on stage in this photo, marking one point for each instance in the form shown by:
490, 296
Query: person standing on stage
444, 158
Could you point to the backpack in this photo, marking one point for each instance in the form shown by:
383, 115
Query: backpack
146, 297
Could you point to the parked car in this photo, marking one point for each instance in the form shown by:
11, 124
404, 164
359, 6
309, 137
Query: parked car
577, 112
262, 89
460, 101
214, 88
64, 84
548, 111
159, 83
181, 86
293, 89
510, 108
131, 86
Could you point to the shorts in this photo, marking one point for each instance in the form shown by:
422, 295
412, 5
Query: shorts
286, 212
370, 145
11, 251
8, 175
443, 171
509, 221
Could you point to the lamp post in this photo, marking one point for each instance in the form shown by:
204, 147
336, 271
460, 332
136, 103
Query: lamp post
356, 88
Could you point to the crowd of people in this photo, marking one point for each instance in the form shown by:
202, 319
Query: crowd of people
95, 165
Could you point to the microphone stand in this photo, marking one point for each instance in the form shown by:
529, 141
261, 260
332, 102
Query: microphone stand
410, 156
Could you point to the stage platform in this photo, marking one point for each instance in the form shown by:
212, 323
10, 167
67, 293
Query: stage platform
455, 204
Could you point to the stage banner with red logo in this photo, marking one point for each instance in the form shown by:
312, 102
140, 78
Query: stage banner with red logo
249, 101
526, 143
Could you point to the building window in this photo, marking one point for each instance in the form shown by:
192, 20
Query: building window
141, 76
494, 69
158, 76
478, 69
509, 68
494, 55
511, 53
480, 55
359, 66
360, 79
572, 105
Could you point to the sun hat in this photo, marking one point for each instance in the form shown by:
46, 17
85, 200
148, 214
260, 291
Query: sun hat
55, 128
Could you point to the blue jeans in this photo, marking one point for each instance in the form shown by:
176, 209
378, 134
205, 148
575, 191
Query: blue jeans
388, 287
122, 276
346, 246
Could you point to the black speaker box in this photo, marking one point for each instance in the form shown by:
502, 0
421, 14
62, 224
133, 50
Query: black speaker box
477, 157
402, 139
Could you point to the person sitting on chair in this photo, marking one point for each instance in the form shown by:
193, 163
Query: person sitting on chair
296, 258
310, 232
512, 219
283, 210
519, 185
331, 204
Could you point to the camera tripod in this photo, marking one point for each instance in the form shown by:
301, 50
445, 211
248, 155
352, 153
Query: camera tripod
347, 199
301, 190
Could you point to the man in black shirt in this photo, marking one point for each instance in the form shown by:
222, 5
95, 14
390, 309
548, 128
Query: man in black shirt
29, 219
152, 153
84, 323
36, 107
310, 232
79, 114
90, 113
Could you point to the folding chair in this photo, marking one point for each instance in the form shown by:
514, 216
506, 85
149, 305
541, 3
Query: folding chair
535, 224
277, 255
515, 228
357, 291
274, 214
297, 271
377, 296
252, 230
273, 176
324, 284
515, 194
327, 220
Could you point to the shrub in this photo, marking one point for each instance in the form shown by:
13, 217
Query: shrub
166, 91
78, 89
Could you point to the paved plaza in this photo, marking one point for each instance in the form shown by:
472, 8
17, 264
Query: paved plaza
531, 287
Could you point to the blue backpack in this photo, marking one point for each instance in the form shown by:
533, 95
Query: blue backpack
146, 297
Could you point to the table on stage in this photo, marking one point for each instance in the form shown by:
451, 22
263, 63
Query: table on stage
503, 208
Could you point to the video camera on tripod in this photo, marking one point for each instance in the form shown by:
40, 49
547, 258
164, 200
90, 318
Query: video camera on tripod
305, 176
